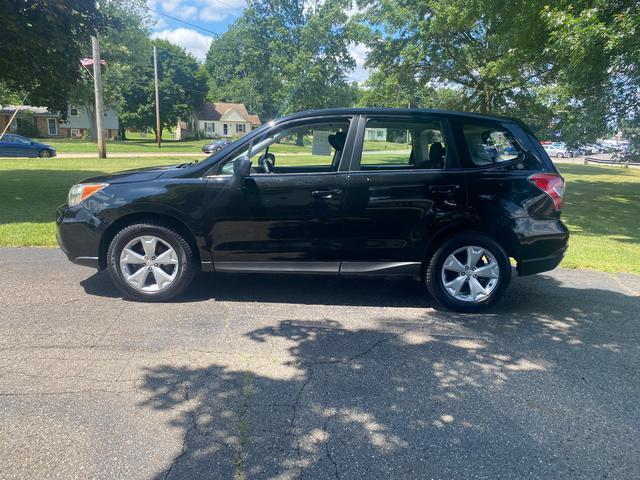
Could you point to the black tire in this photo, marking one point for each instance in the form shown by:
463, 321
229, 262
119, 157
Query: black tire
433, 272
44, 153
186, 268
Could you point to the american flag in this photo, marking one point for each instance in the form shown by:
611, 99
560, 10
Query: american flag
87, 62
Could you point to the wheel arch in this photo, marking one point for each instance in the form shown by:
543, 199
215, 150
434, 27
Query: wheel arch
501, 236
140, 217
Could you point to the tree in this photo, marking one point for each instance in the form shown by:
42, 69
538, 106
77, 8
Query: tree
41, 43
567, 67
484, 49
182, 87
597, 47
126, 48
284, 55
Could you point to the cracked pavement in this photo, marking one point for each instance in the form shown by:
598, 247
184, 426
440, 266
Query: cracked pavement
293, 377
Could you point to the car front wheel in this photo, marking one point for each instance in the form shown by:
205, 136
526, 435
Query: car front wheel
44, 154
468, 273
150, 262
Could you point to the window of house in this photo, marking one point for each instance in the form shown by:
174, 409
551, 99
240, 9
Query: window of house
225, 129
489, 145
209, 128
315, 141
75, 133
398, 144
52, 126
73, 112
239, 127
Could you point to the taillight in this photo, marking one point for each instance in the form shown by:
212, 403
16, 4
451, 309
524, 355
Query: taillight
552, 184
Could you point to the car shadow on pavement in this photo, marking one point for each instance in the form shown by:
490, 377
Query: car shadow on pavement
541, 387
300, 289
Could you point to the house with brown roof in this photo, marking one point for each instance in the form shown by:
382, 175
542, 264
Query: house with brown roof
218, 120
50, 125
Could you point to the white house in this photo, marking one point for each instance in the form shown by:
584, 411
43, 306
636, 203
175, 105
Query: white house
213, 120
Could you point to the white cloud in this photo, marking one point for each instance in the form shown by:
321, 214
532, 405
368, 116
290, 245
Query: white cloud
217, 10
170, 5
359, 52
195, 43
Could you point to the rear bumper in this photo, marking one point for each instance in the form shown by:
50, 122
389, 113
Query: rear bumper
78, 234
540, 264
541, 245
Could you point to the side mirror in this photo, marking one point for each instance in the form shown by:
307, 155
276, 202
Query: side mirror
242, 167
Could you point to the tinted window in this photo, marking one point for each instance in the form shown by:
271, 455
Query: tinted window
21, 140
401, 144
488, 145
307, 148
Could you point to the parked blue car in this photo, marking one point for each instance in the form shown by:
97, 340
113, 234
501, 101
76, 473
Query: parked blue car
12, 145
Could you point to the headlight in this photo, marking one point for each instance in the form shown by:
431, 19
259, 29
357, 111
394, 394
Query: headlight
82, 191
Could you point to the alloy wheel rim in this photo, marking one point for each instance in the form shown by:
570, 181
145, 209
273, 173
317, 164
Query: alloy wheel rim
470, 274
149, 264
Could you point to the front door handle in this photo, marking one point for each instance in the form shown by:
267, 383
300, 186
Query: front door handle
444, 188
326, 194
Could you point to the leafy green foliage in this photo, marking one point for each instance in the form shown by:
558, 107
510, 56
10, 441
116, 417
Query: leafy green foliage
283, 56
182, 86
41, 43
566, 67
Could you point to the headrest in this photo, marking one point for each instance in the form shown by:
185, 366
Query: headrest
337, 140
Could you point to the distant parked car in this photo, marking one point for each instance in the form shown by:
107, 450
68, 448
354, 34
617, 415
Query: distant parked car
216, 146
559, 150
585, 150
12, 145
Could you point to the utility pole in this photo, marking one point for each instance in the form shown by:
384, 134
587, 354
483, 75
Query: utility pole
155, 76
97, 87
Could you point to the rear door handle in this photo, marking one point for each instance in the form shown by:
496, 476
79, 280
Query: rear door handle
444, 188
326, 194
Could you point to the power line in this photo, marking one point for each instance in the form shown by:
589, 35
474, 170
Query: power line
215, 34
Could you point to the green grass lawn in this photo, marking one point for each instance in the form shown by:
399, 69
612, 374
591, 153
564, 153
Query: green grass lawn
602, 206
602, 210
137, 144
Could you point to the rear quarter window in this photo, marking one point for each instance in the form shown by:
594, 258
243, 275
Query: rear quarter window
489, 145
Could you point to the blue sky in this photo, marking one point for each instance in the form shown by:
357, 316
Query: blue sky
215, 16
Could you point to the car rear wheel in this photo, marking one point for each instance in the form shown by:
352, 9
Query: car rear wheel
150, 262
44, 153
468, 273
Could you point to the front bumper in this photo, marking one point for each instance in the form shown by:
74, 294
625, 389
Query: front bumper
78, 234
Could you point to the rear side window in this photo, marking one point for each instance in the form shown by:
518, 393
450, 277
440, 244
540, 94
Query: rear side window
489, 145
398, 144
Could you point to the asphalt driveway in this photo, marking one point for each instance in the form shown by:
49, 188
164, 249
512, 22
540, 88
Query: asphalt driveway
252, 377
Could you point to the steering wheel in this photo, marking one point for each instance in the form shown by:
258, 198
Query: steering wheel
267, 161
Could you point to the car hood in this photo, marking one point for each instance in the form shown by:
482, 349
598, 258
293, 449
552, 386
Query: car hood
135, 175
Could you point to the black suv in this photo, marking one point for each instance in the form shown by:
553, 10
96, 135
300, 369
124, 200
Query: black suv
443, 196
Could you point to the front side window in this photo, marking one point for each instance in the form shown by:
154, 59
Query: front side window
398, 144
310, 148
21, 140
489, 145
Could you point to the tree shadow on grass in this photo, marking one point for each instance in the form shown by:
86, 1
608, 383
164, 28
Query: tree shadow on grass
500, 395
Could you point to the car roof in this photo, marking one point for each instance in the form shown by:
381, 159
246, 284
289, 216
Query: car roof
393, 111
